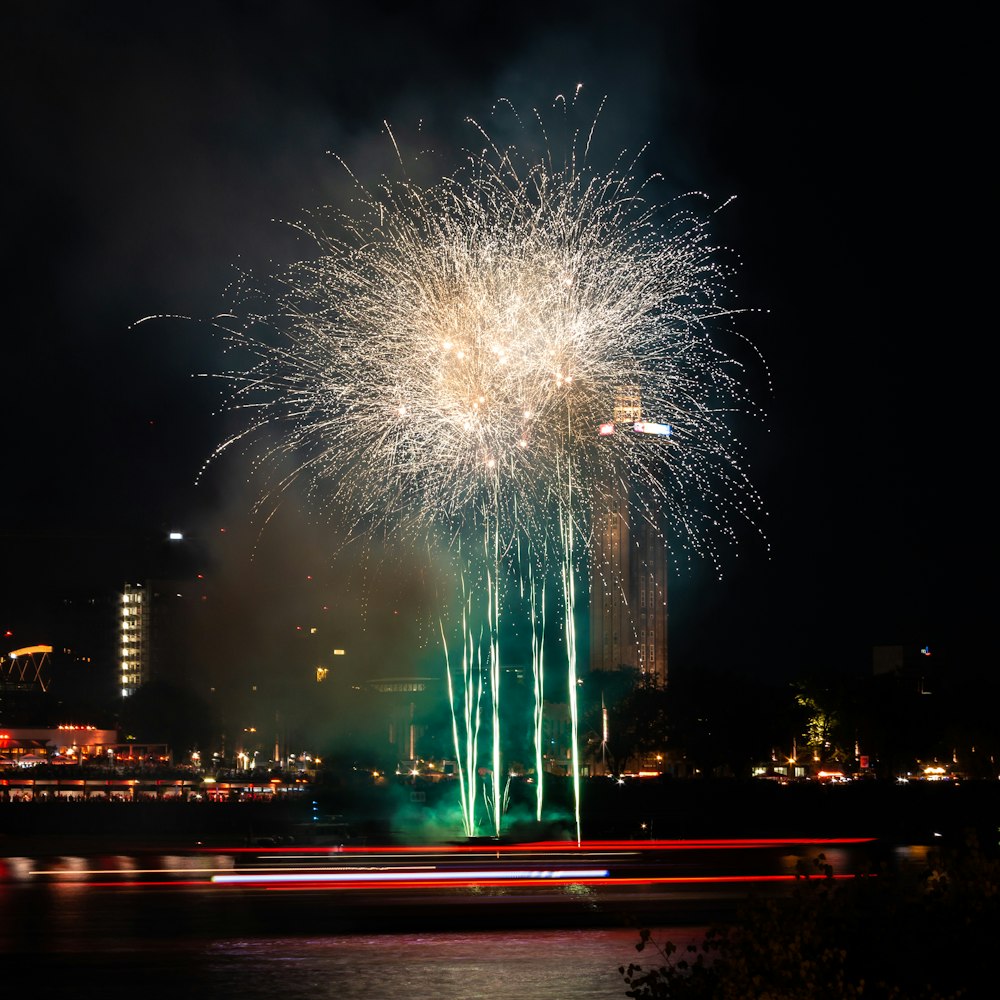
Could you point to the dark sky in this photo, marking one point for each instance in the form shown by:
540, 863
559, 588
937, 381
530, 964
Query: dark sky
150, 147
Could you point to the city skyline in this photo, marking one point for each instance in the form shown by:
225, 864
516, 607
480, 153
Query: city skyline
152, 161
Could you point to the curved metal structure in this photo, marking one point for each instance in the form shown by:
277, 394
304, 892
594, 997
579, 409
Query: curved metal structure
25, 667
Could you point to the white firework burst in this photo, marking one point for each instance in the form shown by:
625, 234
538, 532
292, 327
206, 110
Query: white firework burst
452, 342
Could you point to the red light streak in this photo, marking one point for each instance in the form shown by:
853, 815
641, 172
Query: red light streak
141, 884
554, 846
307, 883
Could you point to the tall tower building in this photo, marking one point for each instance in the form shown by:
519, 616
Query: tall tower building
155, 622
628, 574
134, 628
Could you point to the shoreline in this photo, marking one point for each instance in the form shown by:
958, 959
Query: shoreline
934, 813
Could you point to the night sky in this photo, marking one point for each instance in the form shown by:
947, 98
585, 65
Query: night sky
151, 147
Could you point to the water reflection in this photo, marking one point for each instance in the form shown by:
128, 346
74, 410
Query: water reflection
491, 965
540, 965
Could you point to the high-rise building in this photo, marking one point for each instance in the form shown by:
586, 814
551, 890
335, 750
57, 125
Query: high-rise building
628, 574
155, 620
135, 627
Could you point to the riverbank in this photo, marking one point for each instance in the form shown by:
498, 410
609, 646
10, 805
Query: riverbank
924, 813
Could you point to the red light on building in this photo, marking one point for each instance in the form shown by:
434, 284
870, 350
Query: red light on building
605, 429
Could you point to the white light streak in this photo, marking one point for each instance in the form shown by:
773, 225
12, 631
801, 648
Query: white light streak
498, 874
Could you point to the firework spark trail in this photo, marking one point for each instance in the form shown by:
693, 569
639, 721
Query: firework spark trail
451, 347
491, 554
472, 670
463, 797
465, 739
537, 613
568, 580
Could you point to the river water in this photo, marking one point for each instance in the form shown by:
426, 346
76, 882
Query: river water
492, 965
